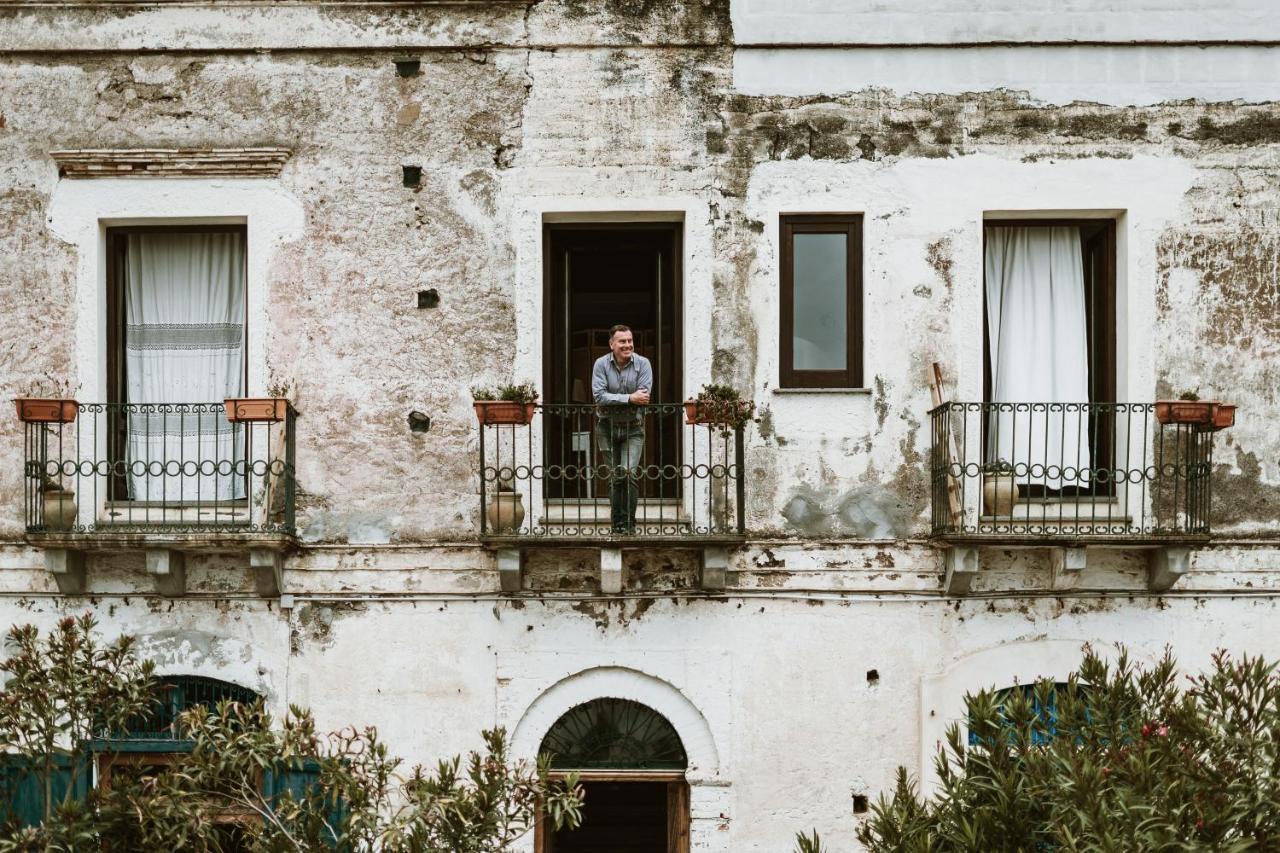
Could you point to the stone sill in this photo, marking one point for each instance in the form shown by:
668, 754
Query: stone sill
787, 391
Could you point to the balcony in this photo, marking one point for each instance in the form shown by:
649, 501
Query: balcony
1068, 476
165, 479
550, 483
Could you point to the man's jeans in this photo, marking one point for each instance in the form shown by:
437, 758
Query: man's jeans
621, 443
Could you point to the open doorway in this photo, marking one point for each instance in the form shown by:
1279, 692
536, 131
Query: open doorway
631, 764
597, 276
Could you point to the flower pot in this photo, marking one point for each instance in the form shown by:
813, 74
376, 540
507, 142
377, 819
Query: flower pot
999, 494
44, 410
255, 409
1200, 412
504, 412
59, 509
506, 512
727, 412
1224, 416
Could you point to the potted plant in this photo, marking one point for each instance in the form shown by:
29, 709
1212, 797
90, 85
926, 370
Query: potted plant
506, 404
46, 410
506, 508
57, 504
1187, 409
718, 404
999, 491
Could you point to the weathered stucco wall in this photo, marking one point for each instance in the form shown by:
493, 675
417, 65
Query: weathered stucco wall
788, 722
563, 108
541, 121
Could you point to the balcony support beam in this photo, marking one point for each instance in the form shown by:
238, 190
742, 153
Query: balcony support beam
962, 565
169, 568
67, 567
1166, 566
268, 571
613, 572
1065, 566
510, 569
715, 568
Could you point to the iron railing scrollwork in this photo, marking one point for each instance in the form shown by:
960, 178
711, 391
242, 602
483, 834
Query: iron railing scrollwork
160, 468
565, 474
1089, 471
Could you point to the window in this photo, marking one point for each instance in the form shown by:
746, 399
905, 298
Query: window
176, 303
821, 301
152, 745
1050, 330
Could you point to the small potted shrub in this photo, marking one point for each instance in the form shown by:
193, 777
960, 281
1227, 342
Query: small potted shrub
57, 505
1188, 409
46, 410
718, 404
506, 508
506, 404
999, 491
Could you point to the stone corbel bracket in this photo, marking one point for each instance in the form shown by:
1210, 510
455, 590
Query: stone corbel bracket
170, 162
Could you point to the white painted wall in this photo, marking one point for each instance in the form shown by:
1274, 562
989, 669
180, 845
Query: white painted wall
770, 697
1114, 75
961, 21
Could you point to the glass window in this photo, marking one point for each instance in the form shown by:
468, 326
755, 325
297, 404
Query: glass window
821, 310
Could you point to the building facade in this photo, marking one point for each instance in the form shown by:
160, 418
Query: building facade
953, 253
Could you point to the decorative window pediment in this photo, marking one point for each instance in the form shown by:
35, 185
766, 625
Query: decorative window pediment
170, 162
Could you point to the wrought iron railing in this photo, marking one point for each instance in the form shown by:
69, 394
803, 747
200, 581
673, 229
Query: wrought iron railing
1070, 471
160, 468
564, 475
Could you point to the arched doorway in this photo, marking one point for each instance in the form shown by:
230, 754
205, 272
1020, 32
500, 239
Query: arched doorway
631, 763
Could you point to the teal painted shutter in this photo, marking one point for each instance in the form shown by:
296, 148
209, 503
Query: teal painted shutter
22, 790
299, 781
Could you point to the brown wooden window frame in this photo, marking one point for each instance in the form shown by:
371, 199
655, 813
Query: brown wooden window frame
849, 224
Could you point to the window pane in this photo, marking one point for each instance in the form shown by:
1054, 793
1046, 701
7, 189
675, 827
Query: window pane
820, 334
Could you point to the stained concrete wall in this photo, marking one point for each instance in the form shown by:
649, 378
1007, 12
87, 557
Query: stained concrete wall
524, 111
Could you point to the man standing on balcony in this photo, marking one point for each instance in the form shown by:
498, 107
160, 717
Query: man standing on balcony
620, 383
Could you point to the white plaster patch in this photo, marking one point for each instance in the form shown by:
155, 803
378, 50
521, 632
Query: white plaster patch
1116, 75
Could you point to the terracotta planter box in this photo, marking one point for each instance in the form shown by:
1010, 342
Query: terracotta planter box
1225, 416
1199, 412
504, 412
44, 410
255, 409
716, 412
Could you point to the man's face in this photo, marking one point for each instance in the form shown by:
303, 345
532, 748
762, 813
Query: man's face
622, 346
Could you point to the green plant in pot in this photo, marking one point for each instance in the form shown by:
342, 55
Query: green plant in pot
999, 490
719, 404
506, 508
57, 505
505, 404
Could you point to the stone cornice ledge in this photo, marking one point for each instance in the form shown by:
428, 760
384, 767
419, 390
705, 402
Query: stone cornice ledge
170, 162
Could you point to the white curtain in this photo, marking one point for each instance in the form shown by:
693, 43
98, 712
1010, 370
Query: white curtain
1039, 353
184, 343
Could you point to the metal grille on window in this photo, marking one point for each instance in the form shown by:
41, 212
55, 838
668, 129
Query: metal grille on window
176, 694
614, 734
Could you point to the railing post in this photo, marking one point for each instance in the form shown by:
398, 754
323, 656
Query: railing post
291, 475
483, 524
739, 461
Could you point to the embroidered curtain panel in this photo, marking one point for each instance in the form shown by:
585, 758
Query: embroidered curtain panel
1038, 342
184, 343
